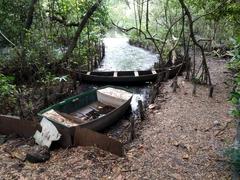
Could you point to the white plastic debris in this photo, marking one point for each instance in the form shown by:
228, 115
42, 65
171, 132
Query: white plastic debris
49, 133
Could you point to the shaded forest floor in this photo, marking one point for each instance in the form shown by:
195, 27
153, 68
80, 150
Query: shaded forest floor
182, 137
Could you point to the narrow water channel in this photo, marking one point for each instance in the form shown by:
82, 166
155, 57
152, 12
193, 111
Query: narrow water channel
121, 56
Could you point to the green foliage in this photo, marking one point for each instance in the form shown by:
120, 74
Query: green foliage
12, 18
234, 65
233, 155
45, 43
235, 61
7, 91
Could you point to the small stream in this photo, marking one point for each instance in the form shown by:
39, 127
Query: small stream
121, 56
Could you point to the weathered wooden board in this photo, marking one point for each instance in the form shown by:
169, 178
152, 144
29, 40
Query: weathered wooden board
87, 137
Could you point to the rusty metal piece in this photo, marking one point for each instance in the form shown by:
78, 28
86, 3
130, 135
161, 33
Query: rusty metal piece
69, 136
87, 137
14, 125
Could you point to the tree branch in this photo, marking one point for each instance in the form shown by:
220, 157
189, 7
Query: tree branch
4, 37
63, 21
211, 12
168, 32
29, 20
204, 61
81, 26
125, 30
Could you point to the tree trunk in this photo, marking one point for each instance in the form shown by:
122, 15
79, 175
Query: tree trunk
29, 20
81, 26
204, 62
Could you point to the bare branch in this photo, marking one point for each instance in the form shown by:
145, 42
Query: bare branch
209, 13
7, 39
125, 30
168, 32
63, 21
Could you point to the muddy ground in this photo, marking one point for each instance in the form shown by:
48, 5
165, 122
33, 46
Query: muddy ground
182, 137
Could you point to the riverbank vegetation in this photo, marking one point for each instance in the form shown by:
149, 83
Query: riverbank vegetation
44, 43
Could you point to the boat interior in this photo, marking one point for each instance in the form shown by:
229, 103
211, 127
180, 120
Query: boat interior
79, 110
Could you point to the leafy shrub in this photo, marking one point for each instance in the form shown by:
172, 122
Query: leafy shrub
7, 93
235, 66
233, 155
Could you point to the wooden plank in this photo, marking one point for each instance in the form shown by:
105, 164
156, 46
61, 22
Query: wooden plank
115, 74
136, 73
87, 137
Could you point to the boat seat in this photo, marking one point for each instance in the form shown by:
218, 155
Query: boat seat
93, 108
82, 112
115, 74
88, 73
154, 72
136, 73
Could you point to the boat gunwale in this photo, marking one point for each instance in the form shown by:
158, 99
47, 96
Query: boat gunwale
160, 70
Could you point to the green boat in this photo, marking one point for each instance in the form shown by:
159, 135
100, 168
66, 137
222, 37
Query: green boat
95, 109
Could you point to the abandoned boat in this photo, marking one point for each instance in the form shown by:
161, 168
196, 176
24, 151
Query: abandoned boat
95, 109
128, 77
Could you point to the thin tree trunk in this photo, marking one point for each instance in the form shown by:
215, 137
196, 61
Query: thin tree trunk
29, 20
135, 13
204, 62
81, 26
